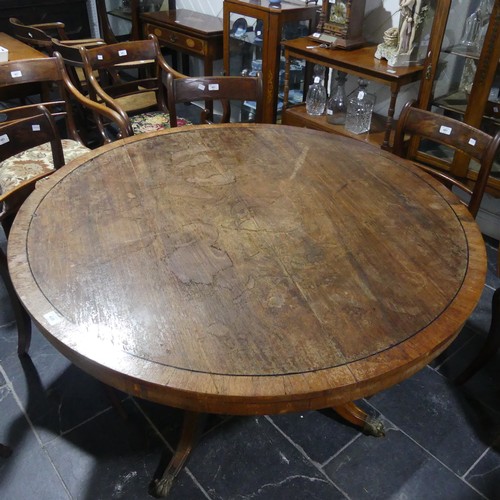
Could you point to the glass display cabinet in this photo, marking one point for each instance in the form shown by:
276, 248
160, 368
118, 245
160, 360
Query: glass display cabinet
253, 31
464, 81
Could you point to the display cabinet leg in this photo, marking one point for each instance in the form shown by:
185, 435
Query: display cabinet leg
192, 426
356, 416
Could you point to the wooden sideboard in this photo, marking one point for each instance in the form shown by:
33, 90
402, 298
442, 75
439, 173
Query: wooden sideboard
188, 32
358, 62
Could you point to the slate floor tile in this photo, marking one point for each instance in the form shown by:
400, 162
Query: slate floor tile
56, 395
394, 467
28, 472
436, 415
109, 457
319, 433
248, 458
485, 476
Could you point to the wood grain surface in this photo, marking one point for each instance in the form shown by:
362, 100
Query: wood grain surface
19, 50
246, 269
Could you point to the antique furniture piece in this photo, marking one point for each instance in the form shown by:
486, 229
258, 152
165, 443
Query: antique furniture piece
17, 137
478, 145
464, 80
246, 269
40, 35
190, 33
128, 11
252, 35
130, 84
341, 23
359, 62
222, 89
457, 135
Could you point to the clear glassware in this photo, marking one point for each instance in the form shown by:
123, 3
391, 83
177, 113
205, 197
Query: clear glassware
471, 31
316, 93
336, 106
360, 109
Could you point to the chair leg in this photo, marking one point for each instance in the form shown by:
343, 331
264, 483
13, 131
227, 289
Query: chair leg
22, 319
491, 345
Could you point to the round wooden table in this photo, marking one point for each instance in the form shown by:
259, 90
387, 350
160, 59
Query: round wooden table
246, 269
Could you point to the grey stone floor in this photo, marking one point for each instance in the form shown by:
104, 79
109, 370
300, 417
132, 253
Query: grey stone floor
442, 441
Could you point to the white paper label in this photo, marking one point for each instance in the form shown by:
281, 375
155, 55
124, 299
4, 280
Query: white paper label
122, 53
329, 112
317, 79
201, 86
316, 35
4, 139
100, 57
361, 94
445, 130
52, 318
472, 141
35, 128
213, 86
16, 74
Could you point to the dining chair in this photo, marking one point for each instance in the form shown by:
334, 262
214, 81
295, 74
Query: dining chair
40, 35
130, 83
248, 90
459, 136
16, 137
59, 96
72, 58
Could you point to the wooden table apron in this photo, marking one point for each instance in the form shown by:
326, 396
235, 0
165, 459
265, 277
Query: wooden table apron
246, 269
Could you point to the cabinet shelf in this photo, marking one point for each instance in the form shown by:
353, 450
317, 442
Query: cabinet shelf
457, 102
297, 116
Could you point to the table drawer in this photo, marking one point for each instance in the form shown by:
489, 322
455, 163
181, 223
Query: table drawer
177, 40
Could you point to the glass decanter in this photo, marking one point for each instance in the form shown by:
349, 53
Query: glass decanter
336, 107
360, 109
316, 93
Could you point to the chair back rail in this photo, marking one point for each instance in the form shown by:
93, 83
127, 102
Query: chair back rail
455, 134
214, 88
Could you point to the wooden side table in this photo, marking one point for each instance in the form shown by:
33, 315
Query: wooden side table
188, 32
360, 62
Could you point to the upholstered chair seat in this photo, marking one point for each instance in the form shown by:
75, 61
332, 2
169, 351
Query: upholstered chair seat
33, 162
153, 121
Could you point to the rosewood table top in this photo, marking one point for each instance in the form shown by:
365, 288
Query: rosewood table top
246, 269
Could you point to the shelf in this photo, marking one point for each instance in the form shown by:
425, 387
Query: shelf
297, 116
121, 14
456, 102
463, 51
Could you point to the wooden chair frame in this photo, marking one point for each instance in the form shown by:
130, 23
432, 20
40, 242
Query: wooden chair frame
142, 55
423, 124
18, 136
214, 88
452, 133
51, 74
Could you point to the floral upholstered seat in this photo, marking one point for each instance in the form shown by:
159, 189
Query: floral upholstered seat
153, 121
33, 162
